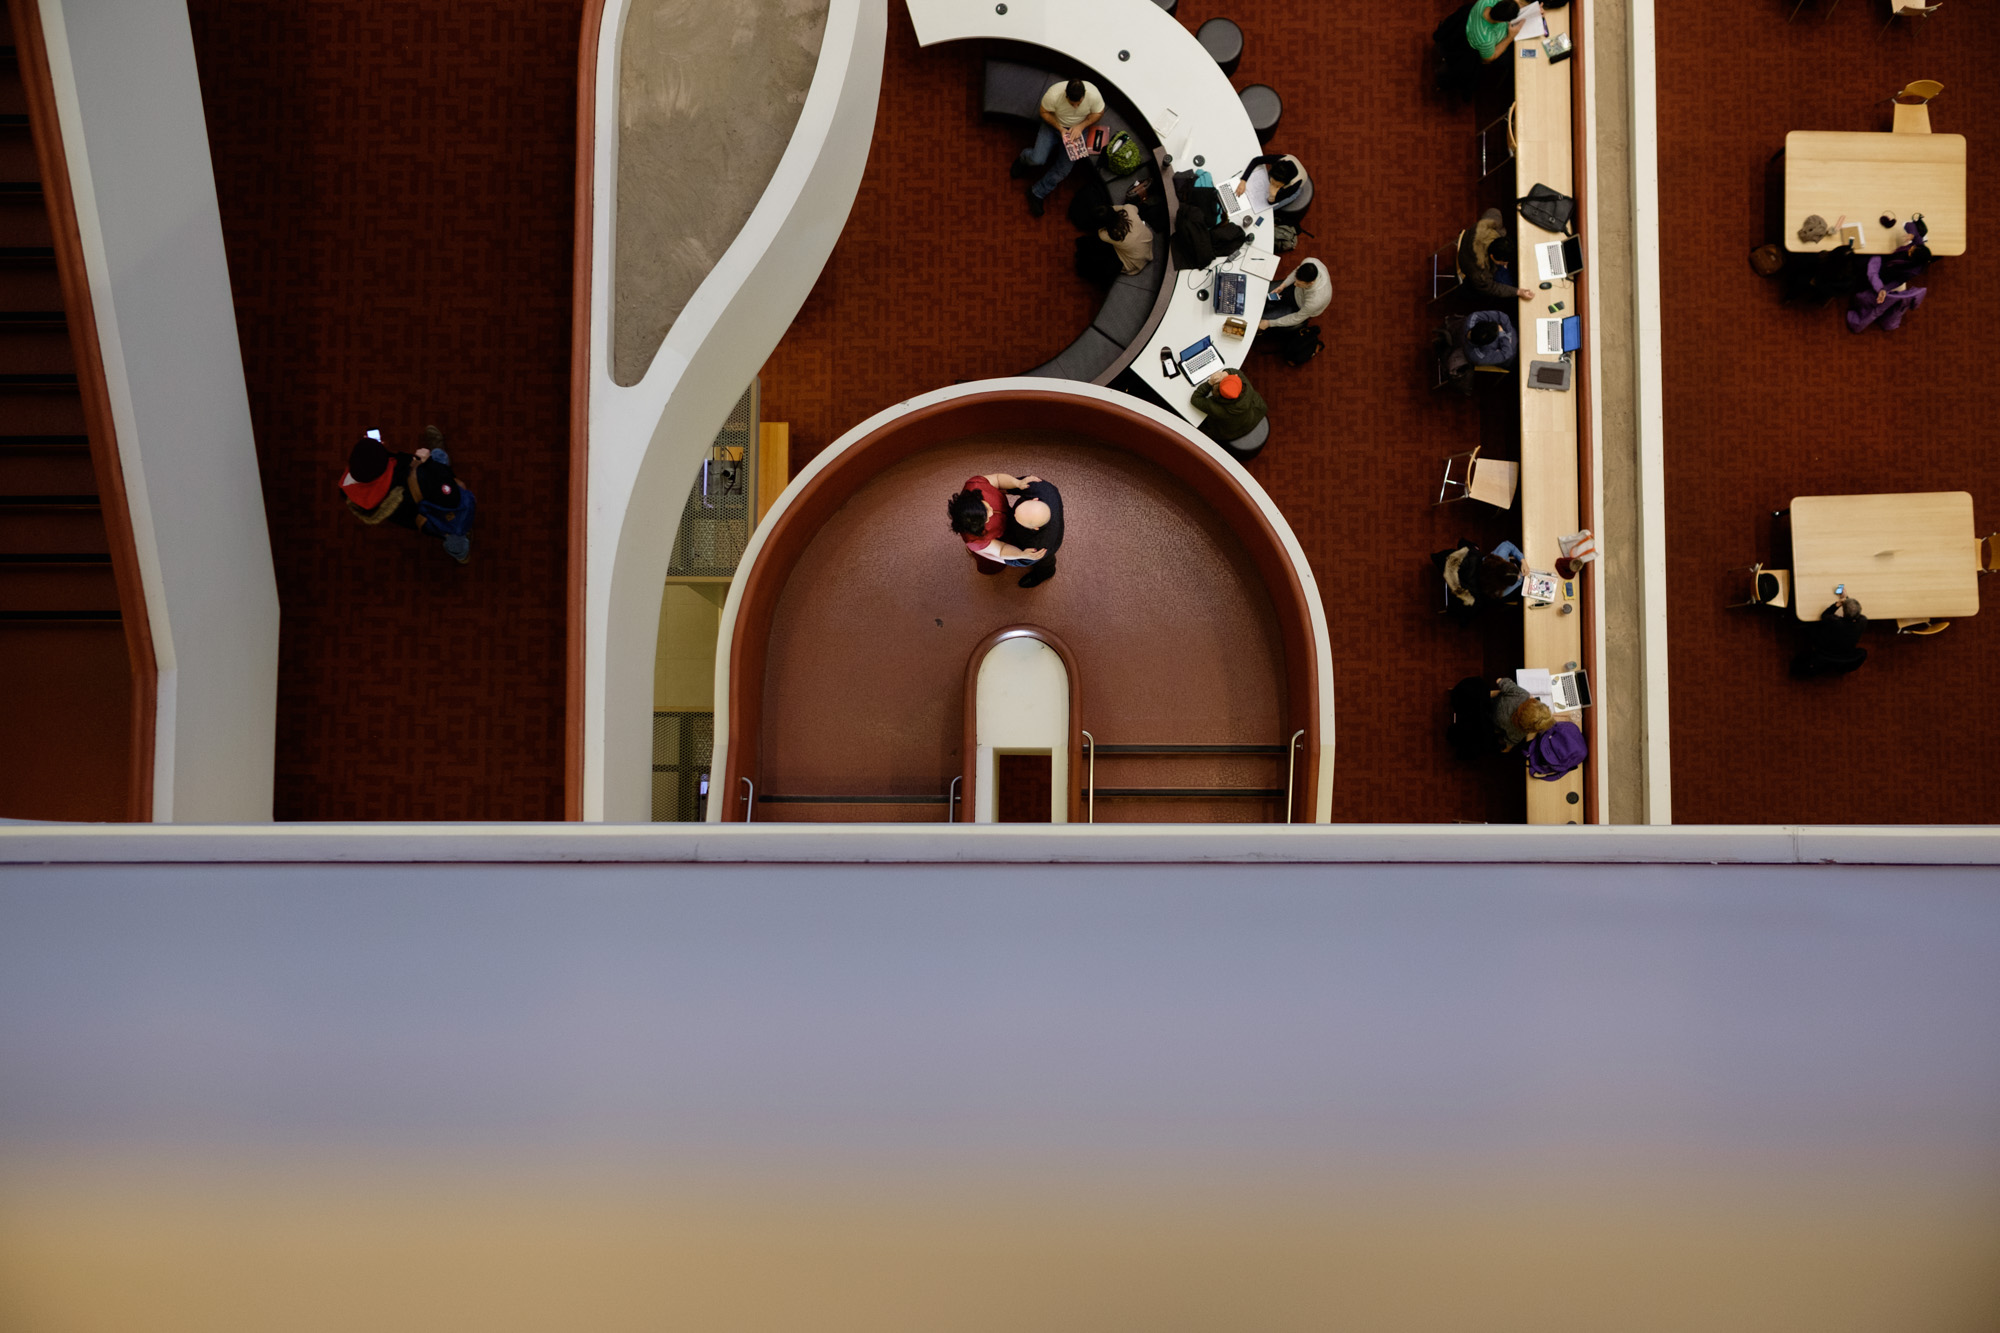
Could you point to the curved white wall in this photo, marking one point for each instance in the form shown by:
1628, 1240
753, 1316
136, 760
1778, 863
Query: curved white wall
647, 439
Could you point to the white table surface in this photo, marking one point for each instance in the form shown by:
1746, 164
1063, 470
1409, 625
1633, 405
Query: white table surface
1187, 102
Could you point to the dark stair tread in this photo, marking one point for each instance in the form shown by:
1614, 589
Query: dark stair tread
20, 318
47, 252
20, 189
48, 501
14, 120
37, 381
38, 443
55, 557
30, 616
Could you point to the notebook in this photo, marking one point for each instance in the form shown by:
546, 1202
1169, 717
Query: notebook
1559, 259
1558, 334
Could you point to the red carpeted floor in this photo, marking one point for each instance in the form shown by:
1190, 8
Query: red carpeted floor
1765, 402
942, 275
396, 180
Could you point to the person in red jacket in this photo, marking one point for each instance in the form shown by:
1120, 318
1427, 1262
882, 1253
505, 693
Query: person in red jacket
979, 515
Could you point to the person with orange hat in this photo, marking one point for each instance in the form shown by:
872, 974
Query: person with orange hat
1232, 407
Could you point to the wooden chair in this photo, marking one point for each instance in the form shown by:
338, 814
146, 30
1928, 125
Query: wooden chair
1490, 481
1446, 276
1913, 112
1988, 552
1917, 8
1922, 625
1768, 587
1491, 159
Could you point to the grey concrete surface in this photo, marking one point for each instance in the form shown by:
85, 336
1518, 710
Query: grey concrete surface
709, 92
1622, 677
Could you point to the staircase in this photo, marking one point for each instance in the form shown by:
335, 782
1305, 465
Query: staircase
66, 698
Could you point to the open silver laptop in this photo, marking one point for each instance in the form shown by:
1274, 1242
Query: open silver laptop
1201, 360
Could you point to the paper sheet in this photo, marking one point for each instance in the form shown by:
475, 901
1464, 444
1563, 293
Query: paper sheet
1535, 681
1534, 24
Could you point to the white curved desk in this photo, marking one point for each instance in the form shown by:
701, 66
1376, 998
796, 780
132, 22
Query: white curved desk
1186, 100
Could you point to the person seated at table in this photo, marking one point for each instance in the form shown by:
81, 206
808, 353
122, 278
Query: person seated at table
1305, 293
1490, 28
1076, 105
1127, 233
1230, 406
1833, 642
1889, 296
1285, 178
1816, 277
1482, 250
1482, 338
1517, 715
1475, 579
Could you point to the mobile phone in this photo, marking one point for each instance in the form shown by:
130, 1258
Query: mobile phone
1168, 366
1840, 590
375, 435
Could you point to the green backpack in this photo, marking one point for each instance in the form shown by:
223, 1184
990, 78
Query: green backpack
1122, 155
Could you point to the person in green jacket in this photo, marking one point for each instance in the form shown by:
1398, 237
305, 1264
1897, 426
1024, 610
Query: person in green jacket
1232, 406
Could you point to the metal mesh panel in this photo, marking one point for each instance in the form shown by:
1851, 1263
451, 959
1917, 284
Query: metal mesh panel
683, 744
715, 521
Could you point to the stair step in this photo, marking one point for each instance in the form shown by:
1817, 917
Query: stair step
46, 472
1191, 793
31, 319
48, 501
37, 381
14, 120
20, 189
44, 443
45, 616
37, 349
55, 557
28, 253
68, 587
37, 529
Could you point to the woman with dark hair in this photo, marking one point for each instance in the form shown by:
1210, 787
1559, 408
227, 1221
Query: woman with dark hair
978, 515
1286, 180
1889, 296
1127, 233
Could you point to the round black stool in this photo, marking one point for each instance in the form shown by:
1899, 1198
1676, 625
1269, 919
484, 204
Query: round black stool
1169, 5
1247, 447
1223, 40
1296, 208
1265, 109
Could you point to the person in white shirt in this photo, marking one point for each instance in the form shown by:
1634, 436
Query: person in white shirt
1073, 106
1306, 293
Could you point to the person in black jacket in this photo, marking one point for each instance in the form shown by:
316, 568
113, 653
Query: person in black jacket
1833, 642
1035, 524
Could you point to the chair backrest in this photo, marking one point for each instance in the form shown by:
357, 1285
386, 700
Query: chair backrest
1773, 587
1911, 118
1987, 551
1919, 91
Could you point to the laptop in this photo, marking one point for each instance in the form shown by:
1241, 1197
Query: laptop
1201, 360
1558, 334
1230, 289
1569, 691
1559, 259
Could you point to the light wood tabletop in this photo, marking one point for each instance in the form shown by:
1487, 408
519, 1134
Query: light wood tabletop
1901, 556
1549, 498
1863, 176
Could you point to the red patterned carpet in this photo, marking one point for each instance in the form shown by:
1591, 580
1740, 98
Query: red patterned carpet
396, 180
963, 284
1764, 403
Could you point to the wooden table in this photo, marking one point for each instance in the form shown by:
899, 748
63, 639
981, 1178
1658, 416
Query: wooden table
1901, 556
1863, 176
1549, 461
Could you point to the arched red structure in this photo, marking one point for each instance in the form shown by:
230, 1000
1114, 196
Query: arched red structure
789, 532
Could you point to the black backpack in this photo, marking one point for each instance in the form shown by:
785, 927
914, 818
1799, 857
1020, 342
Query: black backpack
1297, 344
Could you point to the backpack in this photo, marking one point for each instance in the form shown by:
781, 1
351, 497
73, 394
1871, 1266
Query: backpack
1123, 156
1548, 209
1296, 345
1191, 244
1555, 752
1284, 238
1227, 238
449, 522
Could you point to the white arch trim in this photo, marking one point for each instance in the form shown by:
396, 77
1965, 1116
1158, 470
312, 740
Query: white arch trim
1322, 809
646, 440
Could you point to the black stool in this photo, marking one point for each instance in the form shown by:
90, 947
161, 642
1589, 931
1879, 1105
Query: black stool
1265, 109
1296, 208
1247, 447
1223, 40
1169, 5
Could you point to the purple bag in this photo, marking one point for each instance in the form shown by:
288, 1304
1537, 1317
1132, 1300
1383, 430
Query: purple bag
1555, 752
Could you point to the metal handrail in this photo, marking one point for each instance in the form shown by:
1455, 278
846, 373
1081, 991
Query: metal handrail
951, 799
1091, 818
1291, 771
750, 800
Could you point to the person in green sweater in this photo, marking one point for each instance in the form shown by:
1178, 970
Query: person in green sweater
1233, 408
1490, 27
